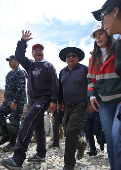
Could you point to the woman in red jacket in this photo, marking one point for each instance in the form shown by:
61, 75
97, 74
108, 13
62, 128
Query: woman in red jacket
104, 88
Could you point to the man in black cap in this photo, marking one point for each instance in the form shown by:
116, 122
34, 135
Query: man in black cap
73, 91
14, 99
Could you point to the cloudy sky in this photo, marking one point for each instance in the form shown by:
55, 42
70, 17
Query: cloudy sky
54, 23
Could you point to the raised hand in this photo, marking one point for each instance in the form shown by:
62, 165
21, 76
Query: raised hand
26, 36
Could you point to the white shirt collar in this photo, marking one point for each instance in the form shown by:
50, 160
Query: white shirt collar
104, 53
43, 60
103, 50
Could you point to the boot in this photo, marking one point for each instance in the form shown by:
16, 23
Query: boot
92, 153
13, 139
6, 136
61, 132
54, 146
102, 146
10, 146
81, 146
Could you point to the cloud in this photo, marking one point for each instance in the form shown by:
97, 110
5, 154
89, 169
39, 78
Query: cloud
54, 23
87, 48
17, 13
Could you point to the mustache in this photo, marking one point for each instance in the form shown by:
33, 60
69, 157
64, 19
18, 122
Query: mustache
71, 60
39, 55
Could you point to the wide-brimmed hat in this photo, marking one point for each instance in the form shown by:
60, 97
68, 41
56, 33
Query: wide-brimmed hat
75, 50
12, 57
108, 3
97, 27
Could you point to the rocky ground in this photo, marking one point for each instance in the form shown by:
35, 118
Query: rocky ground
55, 160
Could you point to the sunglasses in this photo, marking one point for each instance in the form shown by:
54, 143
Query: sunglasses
103, 14
71, 55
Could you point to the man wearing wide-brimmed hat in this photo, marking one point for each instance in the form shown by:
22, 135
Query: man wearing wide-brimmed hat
73, 93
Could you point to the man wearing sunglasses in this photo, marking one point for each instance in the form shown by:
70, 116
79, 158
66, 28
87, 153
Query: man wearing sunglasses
73, 91
110, 15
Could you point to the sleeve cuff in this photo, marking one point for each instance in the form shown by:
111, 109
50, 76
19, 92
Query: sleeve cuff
92, 97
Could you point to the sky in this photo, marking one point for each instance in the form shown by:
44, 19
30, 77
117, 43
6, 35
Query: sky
56, 24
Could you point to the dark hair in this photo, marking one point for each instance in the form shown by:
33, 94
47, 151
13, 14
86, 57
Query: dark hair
97, 54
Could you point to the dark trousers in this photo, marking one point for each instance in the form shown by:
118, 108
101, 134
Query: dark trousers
74, 119
14, 117
34, 120
58, 116
93, 127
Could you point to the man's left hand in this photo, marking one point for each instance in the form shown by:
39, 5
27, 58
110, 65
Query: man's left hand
53, 107
13, 105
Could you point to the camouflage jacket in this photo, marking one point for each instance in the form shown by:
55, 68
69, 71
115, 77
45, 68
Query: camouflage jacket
15, 88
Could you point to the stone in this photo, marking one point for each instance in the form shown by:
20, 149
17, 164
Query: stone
55, 158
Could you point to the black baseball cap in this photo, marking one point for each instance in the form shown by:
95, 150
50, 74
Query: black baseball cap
12, 57
108, 3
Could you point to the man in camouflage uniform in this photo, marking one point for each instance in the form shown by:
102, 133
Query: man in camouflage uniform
14, 99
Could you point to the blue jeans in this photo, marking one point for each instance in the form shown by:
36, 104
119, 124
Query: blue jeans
110, 124
118, 155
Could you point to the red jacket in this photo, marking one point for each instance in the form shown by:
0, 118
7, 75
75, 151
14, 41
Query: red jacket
106, 84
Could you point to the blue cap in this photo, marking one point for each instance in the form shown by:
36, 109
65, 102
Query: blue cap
12, 57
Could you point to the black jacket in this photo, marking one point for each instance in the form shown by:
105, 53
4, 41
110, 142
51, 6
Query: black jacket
73, 85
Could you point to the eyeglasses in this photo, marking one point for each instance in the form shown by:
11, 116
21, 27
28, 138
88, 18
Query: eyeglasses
103, 14
71, 55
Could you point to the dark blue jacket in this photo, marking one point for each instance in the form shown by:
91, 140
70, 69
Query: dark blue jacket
42, 78
73, 84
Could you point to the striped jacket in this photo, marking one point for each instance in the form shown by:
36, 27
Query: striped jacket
106, 84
